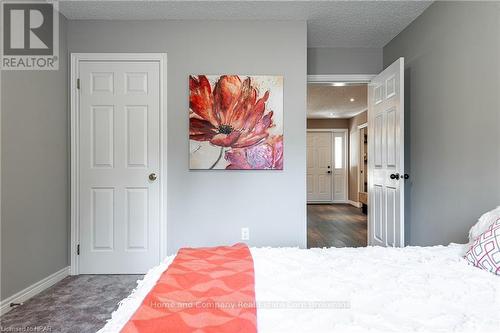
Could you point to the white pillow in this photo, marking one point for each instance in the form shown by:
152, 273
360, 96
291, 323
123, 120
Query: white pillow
484, 222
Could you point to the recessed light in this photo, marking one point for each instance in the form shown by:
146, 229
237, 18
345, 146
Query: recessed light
352, 99
338, 84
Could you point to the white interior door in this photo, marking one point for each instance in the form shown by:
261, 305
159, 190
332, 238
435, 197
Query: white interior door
319, 167
118, 160
339, 167
386, 157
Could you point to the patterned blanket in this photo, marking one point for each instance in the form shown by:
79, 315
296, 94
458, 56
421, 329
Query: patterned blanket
204, 290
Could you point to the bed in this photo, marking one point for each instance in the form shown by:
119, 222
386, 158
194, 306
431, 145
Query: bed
423, 289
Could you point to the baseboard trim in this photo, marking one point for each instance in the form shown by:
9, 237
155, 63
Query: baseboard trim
356, 204
331, 202
35, 288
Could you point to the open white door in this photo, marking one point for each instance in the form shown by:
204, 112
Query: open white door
386, 157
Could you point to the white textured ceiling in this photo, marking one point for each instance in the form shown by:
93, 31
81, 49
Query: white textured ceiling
330, 23
326, 101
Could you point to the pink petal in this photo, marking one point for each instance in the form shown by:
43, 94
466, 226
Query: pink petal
225, 140
237, 159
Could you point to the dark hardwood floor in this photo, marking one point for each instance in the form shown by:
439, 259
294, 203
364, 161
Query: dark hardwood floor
335, 225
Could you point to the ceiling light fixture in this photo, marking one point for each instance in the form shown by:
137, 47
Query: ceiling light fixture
352, 99
339, 84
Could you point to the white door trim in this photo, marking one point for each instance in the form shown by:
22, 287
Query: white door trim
346, 184
76, 58
360, 127
346, 78
332, 130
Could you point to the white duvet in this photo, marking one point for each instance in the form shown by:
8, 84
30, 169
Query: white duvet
373, 289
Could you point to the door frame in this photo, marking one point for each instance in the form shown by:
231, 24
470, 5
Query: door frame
76, 58
360, 159
340, 78
337, 78
345, 131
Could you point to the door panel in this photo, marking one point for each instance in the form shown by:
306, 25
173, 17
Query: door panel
137, 204
102, 128
378, 138
378, 223
137, 136
391, 138
119, 137
338, 192
102, 218
386, 157
391, 204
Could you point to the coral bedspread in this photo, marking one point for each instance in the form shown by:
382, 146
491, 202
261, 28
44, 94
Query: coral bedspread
204, 290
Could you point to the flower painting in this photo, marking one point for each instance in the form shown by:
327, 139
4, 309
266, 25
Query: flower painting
235, 122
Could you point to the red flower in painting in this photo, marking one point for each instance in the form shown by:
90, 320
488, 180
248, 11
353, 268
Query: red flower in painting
230, 115
266, 155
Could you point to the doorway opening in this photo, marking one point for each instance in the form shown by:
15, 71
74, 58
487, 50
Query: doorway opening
337, 161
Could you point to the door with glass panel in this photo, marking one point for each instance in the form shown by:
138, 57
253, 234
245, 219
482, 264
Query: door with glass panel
326, 166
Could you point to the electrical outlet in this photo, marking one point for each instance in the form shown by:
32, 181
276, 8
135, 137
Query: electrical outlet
245, 234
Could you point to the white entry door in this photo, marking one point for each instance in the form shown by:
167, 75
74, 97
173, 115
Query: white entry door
326, 166
386, 157
118, 166
319, 167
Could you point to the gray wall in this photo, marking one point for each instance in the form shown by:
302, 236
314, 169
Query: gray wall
210, 207
35, 187
452, 84
340, 60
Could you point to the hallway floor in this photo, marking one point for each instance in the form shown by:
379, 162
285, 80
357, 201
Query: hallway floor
335, 225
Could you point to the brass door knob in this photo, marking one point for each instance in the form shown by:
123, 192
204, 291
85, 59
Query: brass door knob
152, 176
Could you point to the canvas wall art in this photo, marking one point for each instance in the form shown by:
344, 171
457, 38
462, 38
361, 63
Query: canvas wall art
236, 122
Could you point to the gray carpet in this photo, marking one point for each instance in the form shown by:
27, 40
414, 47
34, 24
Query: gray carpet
77, 304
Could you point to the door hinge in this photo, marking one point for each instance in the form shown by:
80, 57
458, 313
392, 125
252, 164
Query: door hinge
78, 250
77, 83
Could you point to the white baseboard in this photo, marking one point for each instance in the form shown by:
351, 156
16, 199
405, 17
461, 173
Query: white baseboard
356, 204
349, 202
32, 290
